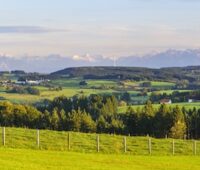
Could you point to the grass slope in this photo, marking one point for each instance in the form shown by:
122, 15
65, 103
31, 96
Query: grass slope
86, 143
14, 159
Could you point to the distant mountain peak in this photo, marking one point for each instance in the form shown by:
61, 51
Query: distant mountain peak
54, 62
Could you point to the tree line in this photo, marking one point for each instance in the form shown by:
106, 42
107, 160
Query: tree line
175, 96
98, 114
23, 90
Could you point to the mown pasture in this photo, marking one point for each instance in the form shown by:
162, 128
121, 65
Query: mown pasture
23, 159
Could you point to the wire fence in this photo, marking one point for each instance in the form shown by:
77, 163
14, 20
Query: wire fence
90, 143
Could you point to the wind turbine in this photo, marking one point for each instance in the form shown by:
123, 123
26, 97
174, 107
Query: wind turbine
114, 61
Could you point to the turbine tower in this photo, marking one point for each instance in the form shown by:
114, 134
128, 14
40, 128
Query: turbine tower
114, 61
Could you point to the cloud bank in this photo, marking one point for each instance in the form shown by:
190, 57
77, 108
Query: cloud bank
27, 30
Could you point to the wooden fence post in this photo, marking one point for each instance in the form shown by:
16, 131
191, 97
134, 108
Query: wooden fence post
125, 145
3, 136
97, 143
38, 138
149, 146
173, 147
69, 141
194, 147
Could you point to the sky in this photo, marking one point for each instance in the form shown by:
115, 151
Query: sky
111, 28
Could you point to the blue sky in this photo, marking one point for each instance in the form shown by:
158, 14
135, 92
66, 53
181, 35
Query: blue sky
97, 27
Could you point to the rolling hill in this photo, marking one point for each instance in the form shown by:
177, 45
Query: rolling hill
190, 73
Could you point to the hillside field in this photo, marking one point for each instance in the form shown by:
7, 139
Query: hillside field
71, 87
87, 143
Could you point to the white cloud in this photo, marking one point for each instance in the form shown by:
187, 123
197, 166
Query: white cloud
86, 57
27, 29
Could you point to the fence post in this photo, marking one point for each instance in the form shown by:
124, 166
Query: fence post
68, 141
125, 145
38, 138
149, 146
173, 147
194, 147
97, 143
3, 136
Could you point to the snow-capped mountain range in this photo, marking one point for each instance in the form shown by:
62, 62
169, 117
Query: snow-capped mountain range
51, 63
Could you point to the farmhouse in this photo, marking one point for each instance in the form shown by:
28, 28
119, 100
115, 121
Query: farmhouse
165, 101
31, 82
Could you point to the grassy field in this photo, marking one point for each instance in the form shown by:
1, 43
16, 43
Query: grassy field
22, 152
170, 91
154, 84
74, 82
186, 105
101, 82
71, 87
14, 159
162, 84
19, 138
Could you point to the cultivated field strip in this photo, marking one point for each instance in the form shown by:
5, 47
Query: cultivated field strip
87, 143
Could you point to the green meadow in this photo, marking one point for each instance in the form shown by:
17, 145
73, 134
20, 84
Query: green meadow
23, 159
71, 87
22, 152
153, 84
169, 91
22, 138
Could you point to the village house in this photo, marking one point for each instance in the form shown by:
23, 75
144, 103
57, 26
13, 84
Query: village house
166, 101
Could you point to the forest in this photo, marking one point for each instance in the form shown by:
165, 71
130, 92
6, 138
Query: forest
97, 113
